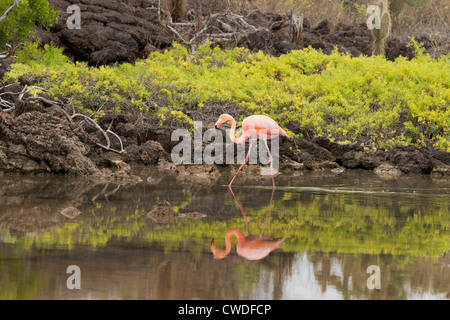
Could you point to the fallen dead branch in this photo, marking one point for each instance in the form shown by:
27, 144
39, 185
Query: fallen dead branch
8, 106
104, 132
9, 53
237, 26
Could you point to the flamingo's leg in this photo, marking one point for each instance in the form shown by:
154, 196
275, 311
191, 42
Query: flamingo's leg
245, 161
242, 210
268, 212
271, 162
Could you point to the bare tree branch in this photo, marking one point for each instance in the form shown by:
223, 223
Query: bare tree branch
192, 43
23, 92
14, 5
7, 106
9, 53
105, 133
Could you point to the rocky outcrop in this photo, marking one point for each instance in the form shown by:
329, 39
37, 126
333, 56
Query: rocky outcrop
352, 156
123, 30
111, 31
35, 141
355, 39
38, 139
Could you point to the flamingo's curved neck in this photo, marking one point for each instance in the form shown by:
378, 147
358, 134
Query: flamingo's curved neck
242, 138
232, 232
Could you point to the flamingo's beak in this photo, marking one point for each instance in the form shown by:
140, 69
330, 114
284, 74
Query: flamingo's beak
217, 125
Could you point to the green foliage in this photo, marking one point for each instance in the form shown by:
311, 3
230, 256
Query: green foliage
17, 26
307, 92
403, 228
396, 6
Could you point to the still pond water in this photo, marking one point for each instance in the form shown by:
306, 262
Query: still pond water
330, 229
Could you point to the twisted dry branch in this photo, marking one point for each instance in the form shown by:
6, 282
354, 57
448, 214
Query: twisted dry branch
236, 19
8, 106
9, 51
104, 132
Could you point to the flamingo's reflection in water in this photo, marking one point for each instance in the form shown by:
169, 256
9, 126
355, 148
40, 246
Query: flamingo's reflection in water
250, 247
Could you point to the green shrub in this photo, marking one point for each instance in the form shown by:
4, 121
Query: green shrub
363, 99
17, 26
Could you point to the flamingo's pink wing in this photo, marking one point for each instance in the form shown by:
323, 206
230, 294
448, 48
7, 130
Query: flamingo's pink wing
259, 122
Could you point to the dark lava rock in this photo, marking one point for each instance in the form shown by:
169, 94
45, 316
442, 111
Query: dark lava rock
111, 30
410, 159
319, 153
123, 30
148, 153
34, 141
284, 47
324, 27
258, 40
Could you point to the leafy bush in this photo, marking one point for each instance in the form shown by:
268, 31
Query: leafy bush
17, 26
365, 99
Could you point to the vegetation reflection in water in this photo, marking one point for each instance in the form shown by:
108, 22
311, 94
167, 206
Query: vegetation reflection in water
331, 234
325, 222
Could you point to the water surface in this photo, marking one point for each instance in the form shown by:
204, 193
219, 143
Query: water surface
334, 227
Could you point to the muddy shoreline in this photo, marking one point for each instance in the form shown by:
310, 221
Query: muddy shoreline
37, 139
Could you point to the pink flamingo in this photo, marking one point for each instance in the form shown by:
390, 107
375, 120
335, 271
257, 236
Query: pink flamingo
250, 247
254, 127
